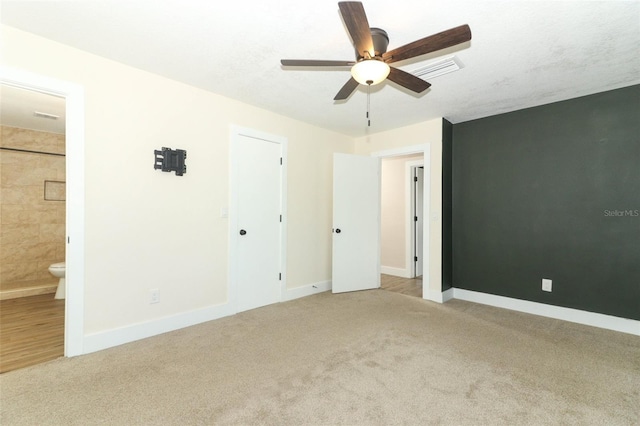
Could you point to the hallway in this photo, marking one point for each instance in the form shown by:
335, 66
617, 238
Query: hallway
408, 286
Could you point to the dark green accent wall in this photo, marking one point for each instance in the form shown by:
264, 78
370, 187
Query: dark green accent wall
447, 204
552, 192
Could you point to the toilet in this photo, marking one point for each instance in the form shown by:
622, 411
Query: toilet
58, 270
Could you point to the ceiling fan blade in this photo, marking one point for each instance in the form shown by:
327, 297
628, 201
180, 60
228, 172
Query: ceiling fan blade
346, 90
408, 81
315, 63
356, 21
429, 44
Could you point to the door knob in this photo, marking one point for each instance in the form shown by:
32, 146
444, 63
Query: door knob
243, 232
338, 231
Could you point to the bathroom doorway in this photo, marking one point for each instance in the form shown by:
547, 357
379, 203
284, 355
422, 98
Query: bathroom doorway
32, 154
73, 95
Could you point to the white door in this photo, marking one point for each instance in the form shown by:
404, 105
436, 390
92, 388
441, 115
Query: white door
419, 218
257, 222
356, 223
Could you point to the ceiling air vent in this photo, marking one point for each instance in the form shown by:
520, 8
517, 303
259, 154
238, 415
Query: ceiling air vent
438, 68
45, 115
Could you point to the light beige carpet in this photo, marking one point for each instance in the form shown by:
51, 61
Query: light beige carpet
365, 358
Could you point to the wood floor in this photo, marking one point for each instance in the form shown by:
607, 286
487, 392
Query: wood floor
408, 286
31, 331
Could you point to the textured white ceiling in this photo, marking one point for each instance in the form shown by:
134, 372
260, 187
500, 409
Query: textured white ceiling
523, 53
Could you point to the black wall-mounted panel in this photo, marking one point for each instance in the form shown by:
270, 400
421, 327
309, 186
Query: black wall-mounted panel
170, 160
552, 192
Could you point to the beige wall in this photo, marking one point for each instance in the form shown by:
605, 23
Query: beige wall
32, 229
425, 132
394, 215
128, 204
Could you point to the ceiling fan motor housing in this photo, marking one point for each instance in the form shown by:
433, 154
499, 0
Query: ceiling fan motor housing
380, 42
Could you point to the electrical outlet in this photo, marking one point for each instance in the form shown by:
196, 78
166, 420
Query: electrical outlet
154, 296
546, 285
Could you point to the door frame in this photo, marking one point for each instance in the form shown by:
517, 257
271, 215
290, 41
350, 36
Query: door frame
425, 149
235, 133
75, 202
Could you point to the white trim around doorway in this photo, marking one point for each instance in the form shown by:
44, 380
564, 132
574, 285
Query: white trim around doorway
430, 290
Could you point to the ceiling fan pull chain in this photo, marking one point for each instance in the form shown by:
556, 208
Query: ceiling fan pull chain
368, 104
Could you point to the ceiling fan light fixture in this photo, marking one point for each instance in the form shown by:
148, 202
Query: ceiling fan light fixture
370, 71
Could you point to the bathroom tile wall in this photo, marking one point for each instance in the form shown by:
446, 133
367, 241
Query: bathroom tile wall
32, 229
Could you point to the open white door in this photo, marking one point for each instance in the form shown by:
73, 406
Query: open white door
356, 223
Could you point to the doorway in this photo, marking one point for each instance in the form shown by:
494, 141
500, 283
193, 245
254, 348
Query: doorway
424, 262
402, 224
32, 153
74, 191
402, 215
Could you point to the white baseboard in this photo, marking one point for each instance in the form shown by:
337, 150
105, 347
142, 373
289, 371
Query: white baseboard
440, 296
593, 319
447, 295
306, 290
119, 336
110, 338
396, 272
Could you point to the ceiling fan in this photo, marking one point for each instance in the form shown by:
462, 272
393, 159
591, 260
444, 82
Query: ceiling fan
372, 59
